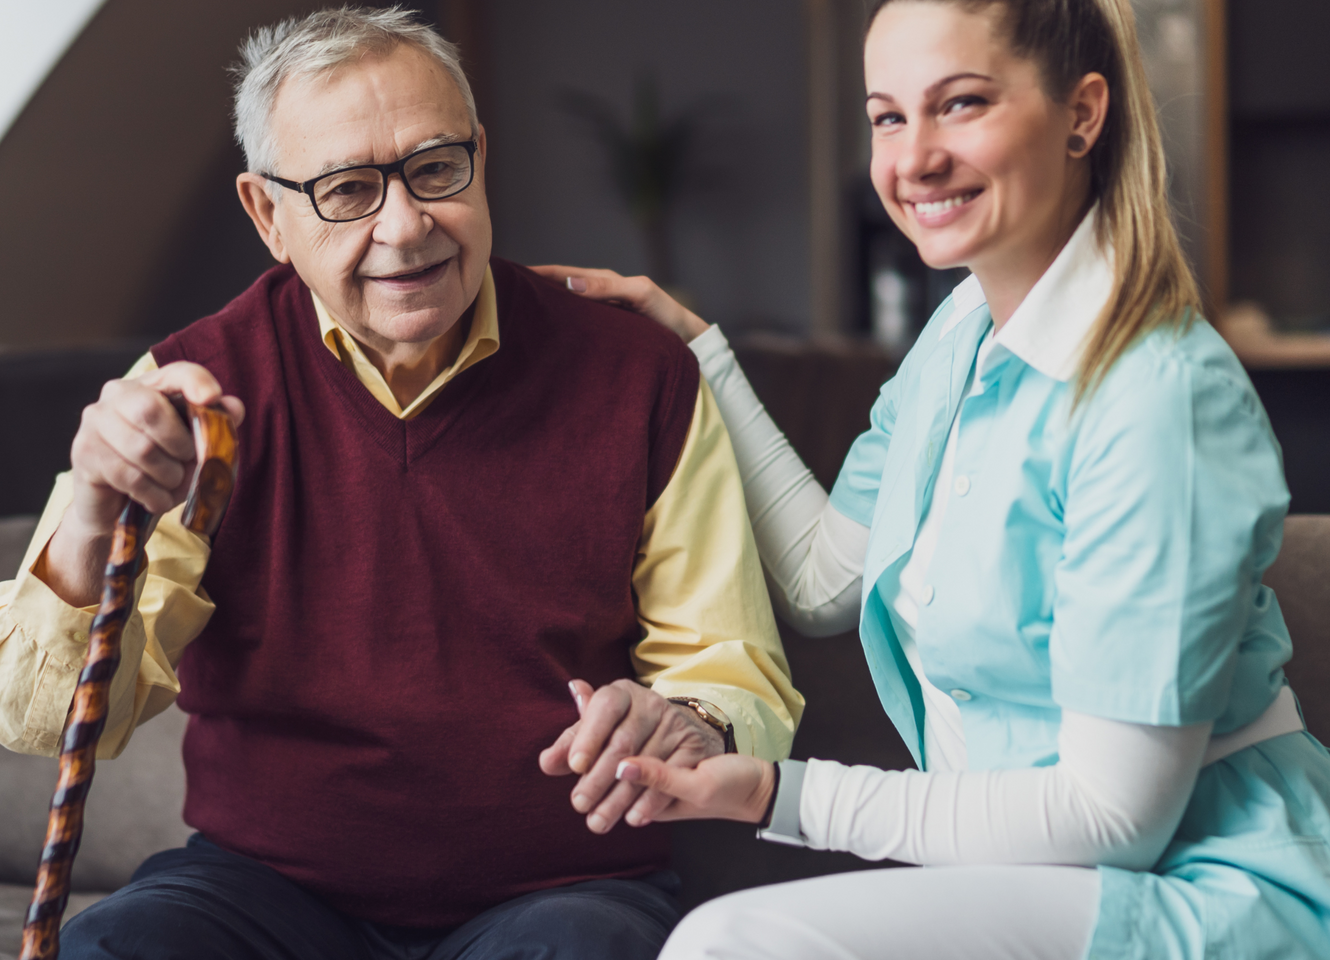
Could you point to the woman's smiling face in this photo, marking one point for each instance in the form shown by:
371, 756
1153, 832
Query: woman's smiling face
970, 154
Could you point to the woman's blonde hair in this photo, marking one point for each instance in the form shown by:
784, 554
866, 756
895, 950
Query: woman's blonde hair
1153, 285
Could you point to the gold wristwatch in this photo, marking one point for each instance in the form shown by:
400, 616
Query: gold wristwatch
712, 716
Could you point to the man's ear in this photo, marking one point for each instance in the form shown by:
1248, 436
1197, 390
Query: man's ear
1089, 111
262, 209
483, 150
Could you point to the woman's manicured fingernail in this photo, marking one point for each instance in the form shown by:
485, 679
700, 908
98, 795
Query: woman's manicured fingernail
596, 822
577, 697
579, 762
577, 285
634, 818
627, 771
581, 804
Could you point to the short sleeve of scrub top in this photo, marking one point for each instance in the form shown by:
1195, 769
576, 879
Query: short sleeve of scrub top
1174, 492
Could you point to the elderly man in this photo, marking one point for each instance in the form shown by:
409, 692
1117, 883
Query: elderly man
463, 492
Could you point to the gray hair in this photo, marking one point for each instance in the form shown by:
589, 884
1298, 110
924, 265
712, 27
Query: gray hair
310, 45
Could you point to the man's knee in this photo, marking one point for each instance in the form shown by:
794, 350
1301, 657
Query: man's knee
601, 920
129, 923
206, 904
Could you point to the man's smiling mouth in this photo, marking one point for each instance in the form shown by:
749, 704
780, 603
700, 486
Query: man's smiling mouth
425, 273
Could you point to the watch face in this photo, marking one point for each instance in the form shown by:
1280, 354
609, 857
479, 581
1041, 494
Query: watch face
715, 712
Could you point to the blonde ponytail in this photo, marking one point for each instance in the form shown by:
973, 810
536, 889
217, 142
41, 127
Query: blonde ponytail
1153, 285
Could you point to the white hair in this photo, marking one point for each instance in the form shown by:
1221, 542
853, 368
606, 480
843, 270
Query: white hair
313, 44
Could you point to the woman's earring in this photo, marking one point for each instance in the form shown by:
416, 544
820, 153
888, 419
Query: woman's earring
1076, 143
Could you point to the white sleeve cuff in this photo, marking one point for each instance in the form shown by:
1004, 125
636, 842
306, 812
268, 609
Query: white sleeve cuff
784, 827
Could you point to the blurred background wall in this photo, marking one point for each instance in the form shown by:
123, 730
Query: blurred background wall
119, 221
116, 180
736, 70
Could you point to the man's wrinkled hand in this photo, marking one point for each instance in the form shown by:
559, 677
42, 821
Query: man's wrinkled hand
620, 720
132, 443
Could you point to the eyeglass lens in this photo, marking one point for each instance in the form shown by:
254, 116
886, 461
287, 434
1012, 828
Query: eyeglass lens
431, 175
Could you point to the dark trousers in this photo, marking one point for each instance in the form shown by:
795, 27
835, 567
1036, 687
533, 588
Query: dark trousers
205, 903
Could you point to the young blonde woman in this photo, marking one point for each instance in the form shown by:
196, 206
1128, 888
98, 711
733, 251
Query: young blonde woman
1051, 538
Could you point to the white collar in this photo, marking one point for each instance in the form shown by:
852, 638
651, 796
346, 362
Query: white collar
1049, 328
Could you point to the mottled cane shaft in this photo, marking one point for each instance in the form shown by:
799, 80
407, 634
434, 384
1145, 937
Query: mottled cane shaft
209, 493
78, 753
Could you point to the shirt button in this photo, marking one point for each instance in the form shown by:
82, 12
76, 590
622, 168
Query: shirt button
927, 594
962, 486
961, 695
80, 636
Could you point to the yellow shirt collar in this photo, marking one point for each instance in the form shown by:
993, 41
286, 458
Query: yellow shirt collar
481, 342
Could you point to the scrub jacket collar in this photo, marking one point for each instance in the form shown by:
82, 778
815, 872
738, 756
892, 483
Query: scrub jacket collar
1049, 329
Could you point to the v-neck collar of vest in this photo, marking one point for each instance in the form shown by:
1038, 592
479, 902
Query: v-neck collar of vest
403, 440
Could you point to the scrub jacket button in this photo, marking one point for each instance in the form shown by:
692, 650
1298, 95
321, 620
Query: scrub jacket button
961, 695
928, 594
962, 486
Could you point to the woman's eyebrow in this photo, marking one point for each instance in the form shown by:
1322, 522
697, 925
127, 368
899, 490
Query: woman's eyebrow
934, 88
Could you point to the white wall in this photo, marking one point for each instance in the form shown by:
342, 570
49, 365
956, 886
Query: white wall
33, 38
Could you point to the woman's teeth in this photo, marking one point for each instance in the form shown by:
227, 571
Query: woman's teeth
942, 206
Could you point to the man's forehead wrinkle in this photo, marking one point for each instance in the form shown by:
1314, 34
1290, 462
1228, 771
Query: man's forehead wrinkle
441, 140
364, 114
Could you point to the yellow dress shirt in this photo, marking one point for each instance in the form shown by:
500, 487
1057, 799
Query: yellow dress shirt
707, 626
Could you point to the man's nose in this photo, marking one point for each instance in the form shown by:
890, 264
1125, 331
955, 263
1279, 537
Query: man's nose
402, 220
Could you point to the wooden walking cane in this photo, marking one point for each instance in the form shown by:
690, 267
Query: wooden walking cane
209, 492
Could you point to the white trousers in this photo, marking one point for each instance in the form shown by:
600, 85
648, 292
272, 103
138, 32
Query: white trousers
905, 913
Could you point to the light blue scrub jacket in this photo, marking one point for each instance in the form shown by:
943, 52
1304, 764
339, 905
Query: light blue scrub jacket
1107, 560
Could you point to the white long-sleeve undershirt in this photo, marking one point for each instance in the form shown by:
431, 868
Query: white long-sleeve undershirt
1116, 794
813, 554
1115, 797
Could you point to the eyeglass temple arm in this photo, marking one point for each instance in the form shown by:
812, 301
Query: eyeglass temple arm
289, 184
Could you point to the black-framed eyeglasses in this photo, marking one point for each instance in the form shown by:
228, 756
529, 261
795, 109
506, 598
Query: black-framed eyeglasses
354, 193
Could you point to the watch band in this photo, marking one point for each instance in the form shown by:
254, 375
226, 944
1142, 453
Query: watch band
785, 811
704, 711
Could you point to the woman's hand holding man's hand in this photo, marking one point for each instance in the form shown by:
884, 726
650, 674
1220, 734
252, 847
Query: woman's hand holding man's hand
639, 294
727, 787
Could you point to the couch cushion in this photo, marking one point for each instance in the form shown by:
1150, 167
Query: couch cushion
134, 805
133, 809
1300, 579
14, 900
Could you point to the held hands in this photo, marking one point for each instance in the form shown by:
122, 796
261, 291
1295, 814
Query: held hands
729, 787
639, 294
620, 720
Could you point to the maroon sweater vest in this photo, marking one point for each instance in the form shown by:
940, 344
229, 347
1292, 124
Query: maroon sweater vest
401, 604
